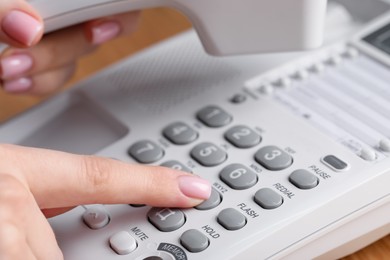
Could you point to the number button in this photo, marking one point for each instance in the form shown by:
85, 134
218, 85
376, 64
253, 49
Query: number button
176, 165
212, 202
146, 152
238, 177
214, 116
166, 219
242, 137
208, 154
95, 217
180, 133
273, 158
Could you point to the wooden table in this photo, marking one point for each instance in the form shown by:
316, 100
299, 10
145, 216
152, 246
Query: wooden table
156, 24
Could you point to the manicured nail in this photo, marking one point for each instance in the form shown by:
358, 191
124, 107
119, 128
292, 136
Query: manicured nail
21, 27
17, 85
105, 32
15, 65
194, 187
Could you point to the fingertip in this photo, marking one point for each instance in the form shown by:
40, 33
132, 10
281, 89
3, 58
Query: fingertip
21, 28
194, 187
19, 85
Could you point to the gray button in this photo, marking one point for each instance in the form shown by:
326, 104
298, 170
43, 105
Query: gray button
238, 99
335, 163
176, 165
231, 219
166, 219
268, 199
123, 243
208, 154
242, 137
180, 133
146, 151
273, 158
214, 116
303, 179
238, 176
96, 217
194, 241
213, 201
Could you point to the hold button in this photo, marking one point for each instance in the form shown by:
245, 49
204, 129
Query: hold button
335, 163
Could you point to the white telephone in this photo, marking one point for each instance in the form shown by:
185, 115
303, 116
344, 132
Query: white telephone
296, 145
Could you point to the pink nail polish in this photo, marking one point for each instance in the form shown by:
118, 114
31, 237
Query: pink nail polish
105, 32
194, 187
21, 27
17, 85
15, 65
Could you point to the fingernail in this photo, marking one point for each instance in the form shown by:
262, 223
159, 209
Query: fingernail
194, 187
21, 27
105, 32
15, 65
17, 85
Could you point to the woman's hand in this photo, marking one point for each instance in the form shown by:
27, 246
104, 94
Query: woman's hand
37, 183
36, 65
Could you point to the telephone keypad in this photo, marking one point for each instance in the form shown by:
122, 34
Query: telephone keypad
235, 175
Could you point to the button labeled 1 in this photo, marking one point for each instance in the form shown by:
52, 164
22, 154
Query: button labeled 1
214, 116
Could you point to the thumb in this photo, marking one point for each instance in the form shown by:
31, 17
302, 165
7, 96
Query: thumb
21, 25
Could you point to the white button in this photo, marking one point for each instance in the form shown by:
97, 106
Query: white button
266, 89
368, 154
384, 144
96, 217
317, 68
352, 53
123, 243
283, 82
335, 60
301, 75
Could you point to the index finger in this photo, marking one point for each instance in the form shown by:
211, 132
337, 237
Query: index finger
21, 25
59, 179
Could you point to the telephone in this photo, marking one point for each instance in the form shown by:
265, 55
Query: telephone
296, 145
